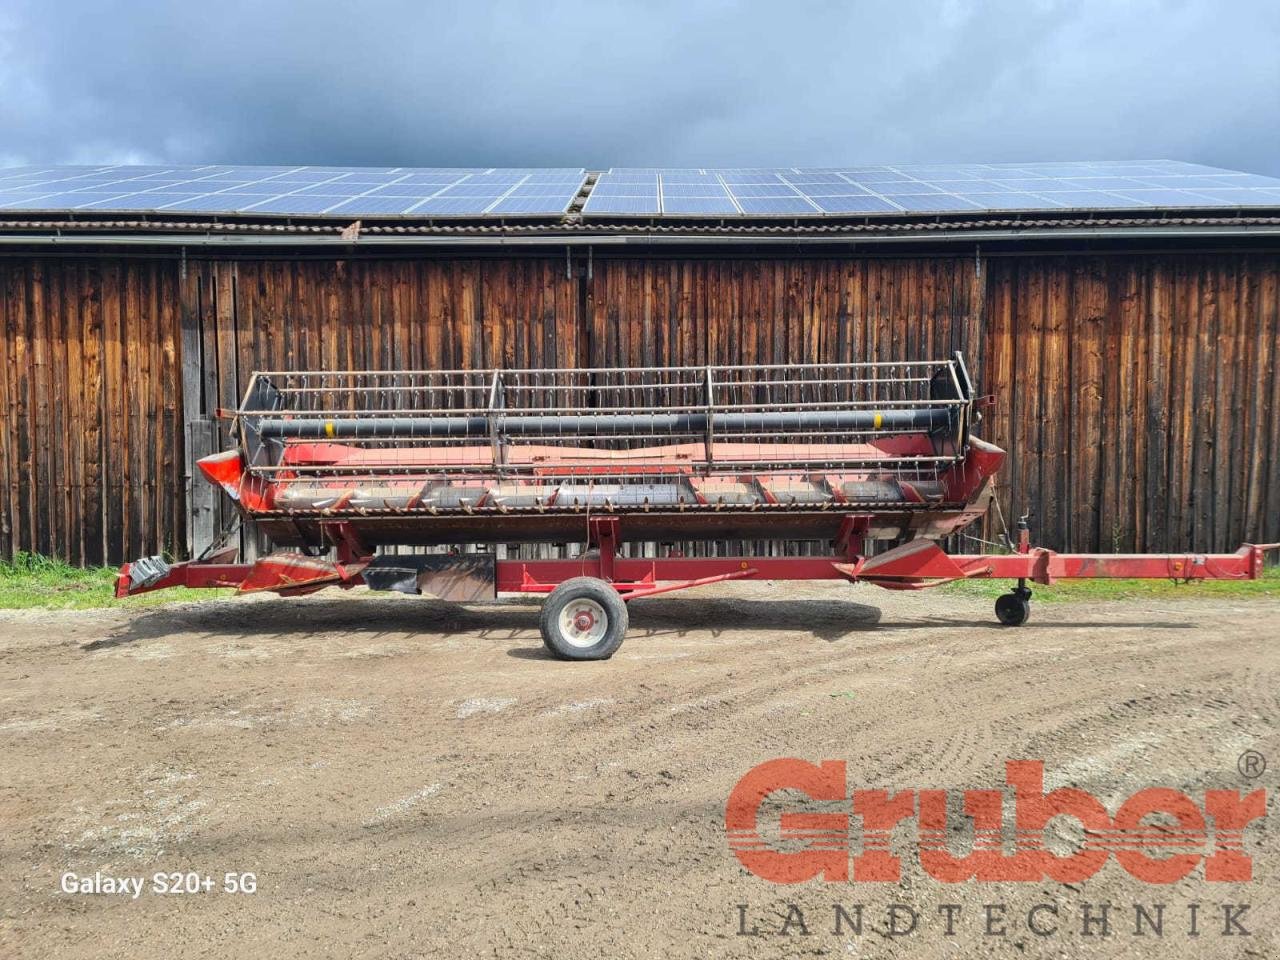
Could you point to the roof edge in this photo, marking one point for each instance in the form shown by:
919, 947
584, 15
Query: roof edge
199, 233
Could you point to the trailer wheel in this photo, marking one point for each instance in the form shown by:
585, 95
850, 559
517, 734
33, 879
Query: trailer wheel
583, 619
1013, 609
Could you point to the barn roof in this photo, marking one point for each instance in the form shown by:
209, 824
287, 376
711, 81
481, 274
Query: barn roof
540, 204
416, 192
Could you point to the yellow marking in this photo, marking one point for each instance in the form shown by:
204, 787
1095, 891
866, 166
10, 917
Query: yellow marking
879, 420
329, 431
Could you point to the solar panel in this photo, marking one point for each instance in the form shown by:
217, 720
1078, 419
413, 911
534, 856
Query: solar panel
469, 189
933, 202
785, 192
286, 204
419, 190
1166, 198
926, 188
699, 205
855, 204
1009, 201
282, 190
903, 188
841, 189
763, 190
453, 206
370, 178
518, 205
778, 205
214, 203
533, 192
60, 201
375, 205
704, 189
625, 205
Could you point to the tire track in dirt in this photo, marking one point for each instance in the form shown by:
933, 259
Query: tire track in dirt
583, 817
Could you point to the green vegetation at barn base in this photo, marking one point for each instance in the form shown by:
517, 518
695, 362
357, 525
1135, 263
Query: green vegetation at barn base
30, 580
1089, 591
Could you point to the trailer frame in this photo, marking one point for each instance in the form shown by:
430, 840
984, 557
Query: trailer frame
914, 565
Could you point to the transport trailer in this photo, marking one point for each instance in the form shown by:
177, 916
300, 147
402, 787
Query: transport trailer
342, 470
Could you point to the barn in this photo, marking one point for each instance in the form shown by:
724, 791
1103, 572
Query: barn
1124, 317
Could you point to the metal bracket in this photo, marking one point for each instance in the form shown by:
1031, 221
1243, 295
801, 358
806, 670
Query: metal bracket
851, 539
603, 534
347, 543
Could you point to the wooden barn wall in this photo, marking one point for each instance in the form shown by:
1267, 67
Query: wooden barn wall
1138, 398
362, 314
91, 422
1137, 394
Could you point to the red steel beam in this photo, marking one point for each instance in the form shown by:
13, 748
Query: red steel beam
921, 566
1045, 566
520, 576
188, 574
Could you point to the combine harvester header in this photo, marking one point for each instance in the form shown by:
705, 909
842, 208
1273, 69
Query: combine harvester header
333, 466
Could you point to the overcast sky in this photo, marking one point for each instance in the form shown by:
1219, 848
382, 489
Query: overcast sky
714, 83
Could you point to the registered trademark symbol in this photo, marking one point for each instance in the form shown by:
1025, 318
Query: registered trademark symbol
1251, 764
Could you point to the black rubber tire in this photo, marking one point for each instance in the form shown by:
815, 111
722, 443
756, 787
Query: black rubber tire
1013, 609
580, 588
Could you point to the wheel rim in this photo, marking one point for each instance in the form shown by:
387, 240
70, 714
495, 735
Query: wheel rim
583, 623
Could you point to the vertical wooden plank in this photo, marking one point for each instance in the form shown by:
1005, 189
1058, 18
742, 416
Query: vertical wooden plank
1053, 377
61, 306
39, 409
1121, 425
133, 412
1204, 390
1136, 403
220, 342
169, 463
152, 332
112, 452
1181, 406
1108, 463
25, 303
19, 319
1089, 409
75, 416
974, 295
1270, 320
1029, 314
93, 505
198, 496
1228, 411
1261, 304
991, 372
1159, 359
8, 467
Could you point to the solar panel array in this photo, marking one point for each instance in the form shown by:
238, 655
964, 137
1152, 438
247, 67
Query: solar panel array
925, 188
352, 192
327, 191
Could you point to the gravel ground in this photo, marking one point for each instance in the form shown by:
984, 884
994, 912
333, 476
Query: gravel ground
407, 778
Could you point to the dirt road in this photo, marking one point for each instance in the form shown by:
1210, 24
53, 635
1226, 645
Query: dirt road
408, 778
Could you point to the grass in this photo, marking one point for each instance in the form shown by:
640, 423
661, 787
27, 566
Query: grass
33, 581
1088, 591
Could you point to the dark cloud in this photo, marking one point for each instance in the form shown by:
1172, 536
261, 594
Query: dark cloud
656, 83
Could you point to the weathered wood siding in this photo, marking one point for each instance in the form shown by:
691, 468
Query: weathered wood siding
1137, 394
252, 315
91, 421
